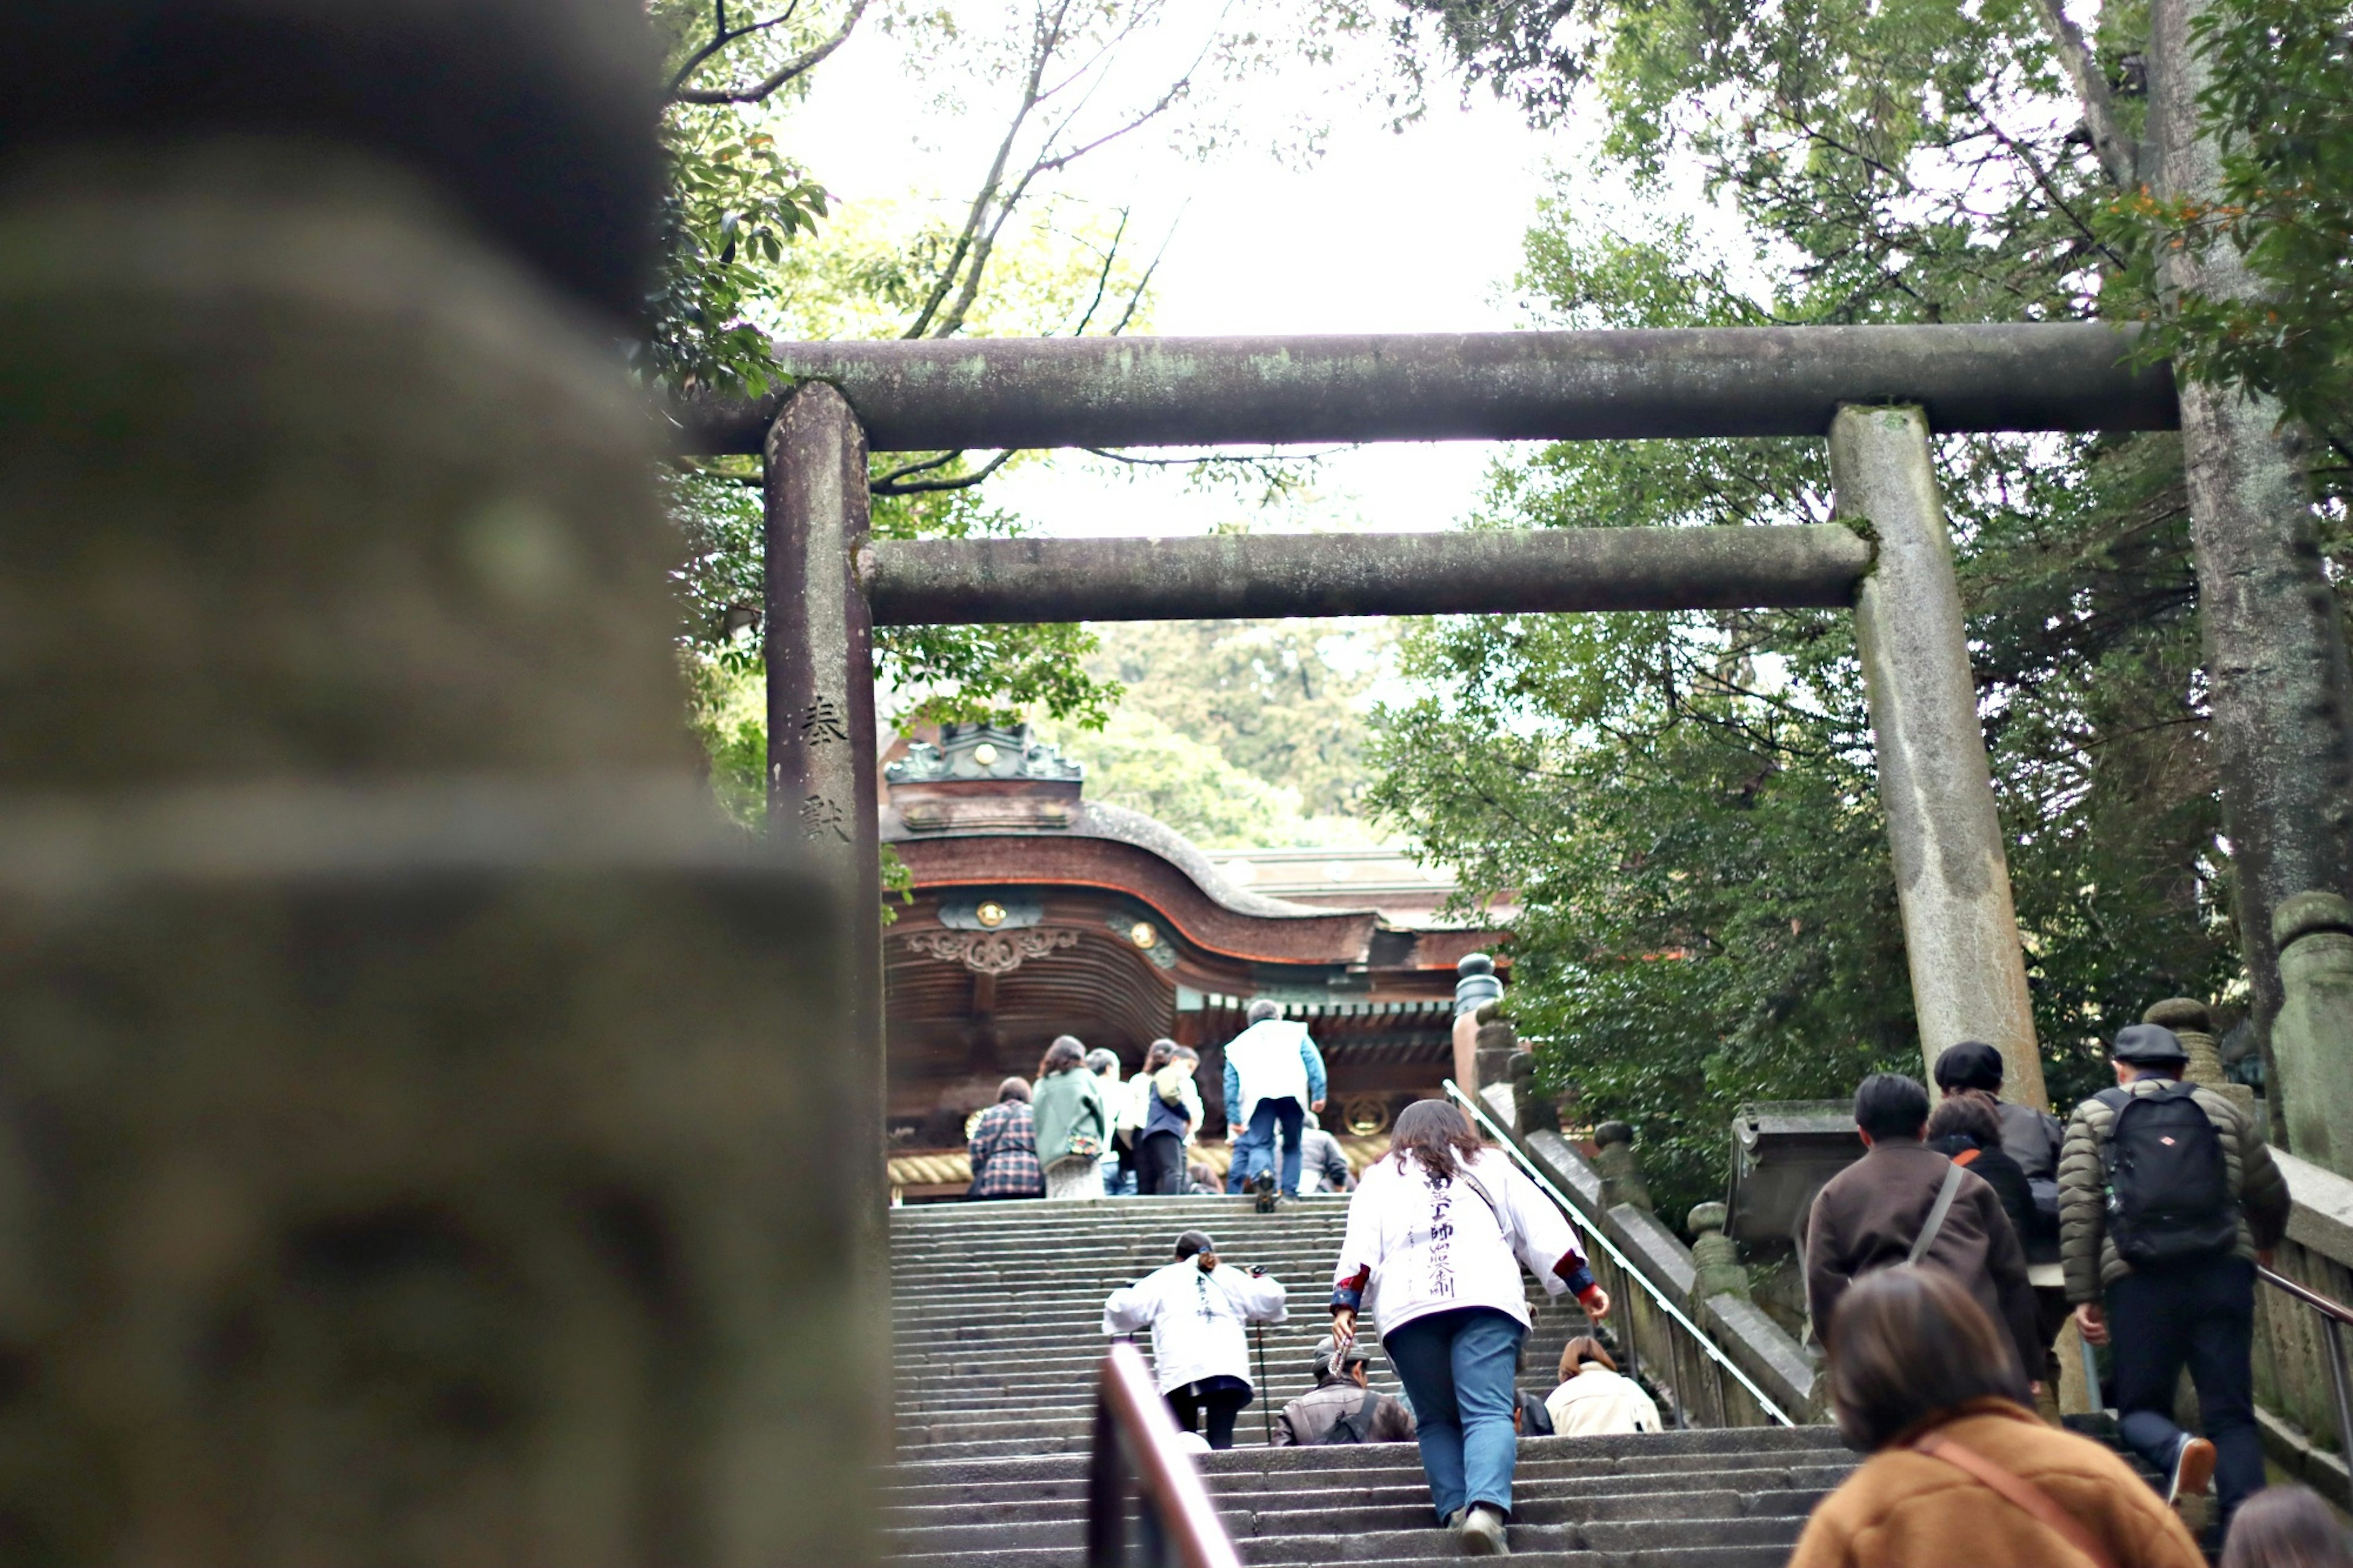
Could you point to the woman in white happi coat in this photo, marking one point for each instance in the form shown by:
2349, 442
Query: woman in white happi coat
1196, 1309
1438, 1228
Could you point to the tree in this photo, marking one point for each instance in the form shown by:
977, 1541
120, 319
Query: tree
1911, 163
1684, 804
745, 260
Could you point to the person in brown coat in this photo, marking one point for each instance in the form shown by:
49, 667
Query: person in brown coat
1962, 1474
1883, 1210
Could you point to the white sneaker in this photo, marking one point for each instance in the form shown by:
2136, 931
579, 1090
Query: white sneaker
1481, 1532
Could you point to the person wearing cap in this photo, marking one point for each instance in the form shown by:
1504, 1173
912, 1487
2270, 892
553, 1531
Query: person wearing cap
2032, 1139
2190, 1301
1343, 1397
1196, 1311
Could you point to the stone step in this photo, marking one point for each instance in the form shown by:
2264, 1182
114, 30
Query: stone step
1696, 1505
1766, 1539
1534, 1494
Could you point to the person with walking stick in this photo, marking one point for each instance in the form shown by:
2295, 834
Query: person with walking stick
1195, 1310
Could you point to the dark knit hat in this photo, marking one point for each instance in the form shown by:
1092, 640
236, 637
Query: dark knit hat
1972, 1064
1194, 1241
2149, 1045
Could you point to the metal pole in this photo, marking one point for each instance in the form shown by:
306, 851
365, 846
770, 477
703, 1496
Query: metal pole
1265, 1409
1952, 878
2338, 1384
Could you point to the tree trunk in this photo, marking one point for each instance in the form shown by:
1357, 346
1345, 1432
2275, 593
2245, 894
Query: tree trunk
2276, 655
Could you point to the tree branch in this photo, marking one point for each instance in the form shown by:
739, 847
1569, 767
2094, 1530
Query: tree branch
760, 91
2120, 156
886, 487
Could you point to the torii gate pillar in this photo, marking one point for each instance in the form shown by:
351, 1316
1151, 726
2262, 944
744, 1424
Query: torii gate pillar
821, 733
1952, 878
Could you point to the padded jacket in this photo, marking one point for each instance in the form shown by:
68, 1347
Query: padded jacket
1904, 1509
2085, 1250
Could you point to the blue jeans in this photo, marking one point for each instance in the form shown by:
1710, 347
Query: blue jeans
1255, 1150
2202, 1317
1457, 1368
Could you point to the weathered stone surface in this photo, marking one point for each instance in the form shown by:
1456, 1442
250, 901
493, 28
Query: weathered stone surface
1952, 878
425, 1132
1715, 1260
308, 481
400, 1180
1622, 1174
1439, 386
2312, 1037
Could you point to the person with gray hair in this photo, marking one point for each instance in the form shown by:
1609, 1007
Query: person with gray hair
1104, 1065
1274, 1077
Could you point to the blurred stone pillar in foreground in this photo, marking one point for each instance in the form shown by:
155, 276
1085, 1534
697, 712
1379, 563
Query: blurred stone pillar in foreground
1952, 876
419, 1113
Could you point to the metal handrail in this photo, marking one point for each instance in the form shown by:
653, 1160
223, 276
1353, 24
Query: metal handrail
1659, 1298
2333, 1316
1136, 1439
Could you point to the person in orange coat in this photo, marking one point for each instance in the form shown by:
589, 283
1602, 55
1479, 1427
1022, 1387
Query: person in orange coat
1962, 1474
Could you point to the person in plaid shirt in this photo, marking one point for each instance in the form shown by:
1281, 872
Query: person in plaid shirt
1004, 1148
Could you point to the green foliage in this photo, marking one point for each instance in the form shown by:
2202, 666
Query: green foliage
1282, 702
926, 674
1684, 806
2280, 100
1139, 762
734, 205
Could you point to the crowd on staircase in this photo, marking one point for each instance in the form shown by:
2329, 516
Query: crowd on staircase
1082, 1132
1939, 1269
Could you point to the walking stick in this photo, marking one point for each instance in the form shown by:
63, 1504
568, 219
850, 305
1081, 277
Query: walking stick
1265, 1411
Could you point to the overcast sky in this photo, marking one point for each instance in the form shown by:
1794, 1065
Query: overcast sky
1411, 231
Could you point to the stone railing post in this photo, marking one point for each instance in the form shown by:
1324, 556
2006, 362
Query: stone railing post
1532, 1109
1952, 878
2312, 1038
422, 1117
1716, 1259
1622, 1174
1478, 987
2193, 1025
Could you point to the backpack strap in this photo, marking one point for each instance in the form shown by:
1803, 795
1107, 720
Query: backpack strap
2018, 1489
1936, 1213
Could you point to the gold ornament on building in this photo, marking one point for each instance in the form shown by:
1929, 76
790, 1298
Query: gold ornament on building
984, 754
1142, 934
990, 914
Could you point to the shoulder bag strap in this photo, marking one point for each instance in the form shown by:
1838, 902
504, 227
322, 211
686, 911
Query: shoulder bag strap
1502, 1225
2021, 1491
1944, 1205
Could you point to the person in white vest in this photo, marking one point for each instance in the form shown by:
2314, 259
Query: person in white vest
1274, 1077
1195, 1310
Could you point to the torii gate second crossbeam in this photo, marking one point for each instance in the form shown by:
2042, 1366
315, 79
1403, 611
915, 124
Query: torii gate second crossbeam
1871, 390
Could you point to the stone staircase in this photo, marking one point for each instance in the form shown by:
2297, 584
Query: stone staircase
997, 1317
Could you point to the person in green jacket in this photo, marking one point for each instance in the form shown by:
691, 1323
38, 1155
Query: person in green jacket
1073, 1122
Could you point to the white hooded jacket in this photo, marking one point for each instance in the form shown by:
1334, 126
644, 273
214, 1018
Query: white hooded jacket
1195, 1319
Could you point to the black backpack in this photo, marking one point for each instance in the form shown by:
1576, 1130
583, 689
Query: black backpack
1357, 1426
2169, 1185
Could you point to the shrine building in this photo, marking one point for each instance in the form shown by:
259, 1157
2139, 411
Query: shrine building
1032, 911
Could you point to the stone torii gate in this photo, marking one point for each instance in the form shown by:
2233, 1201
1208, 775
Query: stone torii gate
1875, 393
